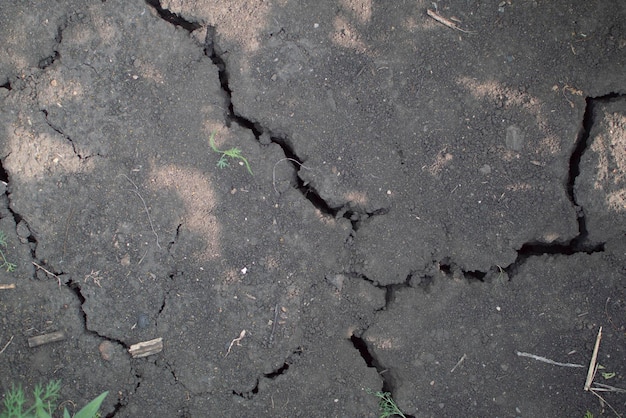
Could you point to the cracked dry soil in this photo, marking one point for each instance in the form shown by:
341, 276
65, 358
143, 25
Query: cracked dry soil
425, 204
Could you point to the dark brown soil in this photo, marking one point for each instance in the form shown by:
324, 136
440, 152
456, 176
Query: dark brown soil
432, 212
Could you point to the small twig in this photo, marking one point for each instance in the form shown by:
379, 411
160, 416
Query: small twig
48, 272
6, 345
591, 372
274, 324
146, 208
458, 363
446, 22
236, 340
52, 337
547, 360
7, 286
274, 170
67, 230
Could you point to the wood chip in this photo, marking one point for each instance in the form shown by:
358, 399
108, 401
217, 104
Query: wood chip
146, 348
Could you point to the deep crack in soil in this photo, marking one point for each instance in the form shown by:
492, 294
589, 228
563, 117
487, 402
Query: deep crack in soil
421, 233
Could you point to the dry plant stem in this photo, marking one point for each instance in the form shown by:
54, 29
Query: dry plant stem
445, 21
67, 231
274, 324
48, 272
7, 286
591, 372
547, 360
601, 387
604, 402
146, 209
236, 340
274, 170
6, 345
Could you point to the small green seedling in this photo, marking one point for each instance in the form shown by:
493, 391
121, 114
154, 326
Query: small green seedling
234, 153
5, 263
45, 403
606, 375
386, 404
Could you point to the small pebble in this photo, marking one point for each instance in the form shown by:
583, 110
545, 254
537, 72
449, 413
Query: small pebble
514, 138
106, 350
143, 321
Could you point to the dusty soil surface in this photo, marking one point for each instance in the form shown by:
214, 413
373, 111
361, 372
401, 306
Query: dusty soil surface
424, 203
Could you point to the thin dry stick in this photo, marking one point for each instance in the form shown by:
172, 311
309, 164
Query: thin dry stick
274, 170
591, 372
48, 272
446, 22
274, 324
601, 387
146, 208
67, 230
547, 360
458, 363
604, 402
6, 345
7, 286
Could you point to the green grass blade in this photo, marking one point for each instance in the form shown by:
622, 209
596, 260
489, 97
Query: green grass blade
91, 409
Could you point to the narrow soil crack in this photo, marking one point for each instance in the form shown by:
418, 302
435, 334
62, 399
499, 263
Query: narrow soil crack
75, 287
58, 130
290, 360
262, 134
23, 230
265, 135
371, 360
173, 18
25, 234
580, 243
46, 62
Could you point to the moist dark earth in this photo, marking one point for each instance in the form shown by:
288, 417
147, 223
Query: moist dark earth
427, 199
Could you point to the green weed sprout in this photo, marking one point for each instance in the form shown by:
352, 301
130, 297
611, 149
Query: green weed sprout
5, 263
234, 153
45, 403
386, 404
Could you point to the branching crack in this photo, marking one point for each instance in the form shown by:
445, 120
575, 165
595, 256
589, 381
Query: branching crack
263, 135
